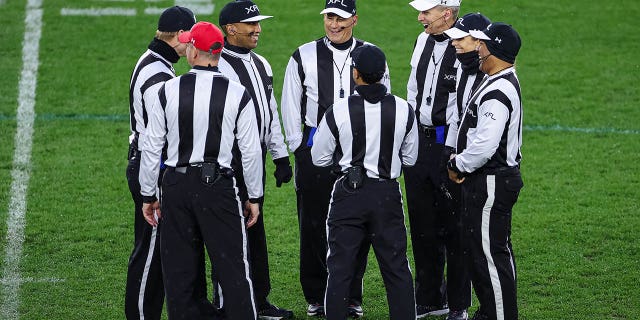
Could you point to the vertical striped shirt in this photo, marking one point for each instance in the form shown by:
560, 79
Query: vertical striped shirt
466, 84
150, 71
490, 134
431, 88
254, 73
381, 136
314, 76
200, 114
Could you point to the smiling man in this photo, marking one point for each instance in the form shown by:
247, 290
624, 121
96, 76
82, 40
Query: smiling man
240, 21
432, 200
317, 76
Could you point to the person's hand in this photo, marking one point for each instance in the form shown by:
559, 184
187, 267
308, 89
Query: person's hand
283, 171
453, 176
151, 212
253, 211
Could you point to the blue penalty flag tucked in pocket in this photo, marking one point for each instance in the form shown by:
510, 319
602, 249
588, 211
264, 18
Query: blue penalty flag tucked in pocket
440, 134
312, 132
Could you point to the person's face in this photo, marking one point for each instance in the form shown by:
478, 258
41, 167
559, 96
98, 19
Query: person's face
190, 53
466, 44
244, 34
485, 58
433, 20
338, 29
179, 47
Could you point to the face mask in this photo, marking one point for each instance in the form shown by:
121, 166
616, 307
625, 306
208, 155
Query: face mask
470, 61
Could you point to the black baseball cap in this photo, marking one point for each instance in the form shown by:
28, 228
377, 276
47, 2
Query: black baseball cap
470, 21
501, 39
240, 11
343, 8
369, 59
175, 19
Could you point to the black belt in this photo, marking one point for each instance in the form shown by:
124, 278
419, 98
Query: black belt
427, 130
197, 168
501, 171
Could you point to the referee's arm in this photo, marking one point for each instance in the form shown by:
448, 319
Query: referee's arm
324, 143
409, 148
152, 144
249, 144
291, 100
276, 145
492, 117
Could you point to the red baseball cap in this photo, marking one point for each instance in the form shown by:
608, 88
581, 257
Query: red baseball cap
204, 35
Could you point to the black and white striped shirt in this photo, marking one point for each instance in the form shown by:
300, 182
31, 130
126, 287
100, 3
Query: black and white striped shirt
151, 70
254, 73
431, 89
201, 113
466, 84
380, 136
312, 83
490, 134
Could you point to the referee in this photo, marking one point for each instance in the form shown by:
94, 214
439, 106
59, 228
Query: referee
240, 21
431, 197
200, 114
469, 74
318, 75
144, 291
372, 134
487, 165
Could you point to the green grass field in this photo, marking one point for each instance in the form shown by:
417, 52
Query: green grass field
575, 227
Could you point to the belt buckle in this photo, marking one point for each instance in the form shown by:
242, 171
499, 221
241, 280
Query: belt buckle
426, 130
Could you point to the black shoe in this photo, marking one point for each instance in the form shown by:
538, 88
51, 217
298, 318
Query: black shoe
271, 312
423, 311
355, 311
458, 315
315, 309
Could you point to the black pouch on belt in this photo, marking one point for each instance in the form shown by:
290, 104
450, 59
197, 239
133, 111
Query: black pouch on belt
209, 172
355, 177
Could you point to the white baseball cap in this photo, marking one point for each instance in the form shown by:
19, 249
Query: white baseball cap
423, 5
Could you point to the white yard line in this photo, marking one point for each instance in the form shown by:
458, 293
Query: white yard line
21, 161
96, 12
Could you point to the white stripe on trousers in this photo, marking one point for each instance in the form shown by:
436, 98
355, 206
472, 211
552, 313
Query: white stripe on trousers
145, 273
486, 246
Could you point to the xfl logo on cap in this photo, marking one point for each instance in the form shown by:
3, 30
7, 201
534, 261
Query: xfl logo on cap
253, 8
337, 1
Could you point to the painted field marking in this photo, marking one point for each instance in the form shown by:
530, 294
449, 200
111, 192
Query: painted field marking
199, 7
34, 280
97, 12
20, 173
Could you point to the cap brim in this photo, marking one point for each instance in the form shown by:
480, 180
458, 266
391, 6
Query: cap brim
337, 11
185, 37
256, 18
479, 35
422, 5
455, 33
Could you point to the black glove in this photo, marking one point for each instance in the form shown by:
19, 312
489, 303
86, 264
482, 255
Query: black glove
283, 171
442, 165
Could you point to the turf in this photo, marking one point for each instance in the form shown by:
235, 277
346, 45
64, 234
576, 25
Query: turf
574, 227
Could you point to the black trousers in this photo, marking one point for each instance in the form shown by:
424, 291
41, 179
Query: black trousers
436, 232
144, 294
487, 209
257, 241
195, 213
371, 214
313, 191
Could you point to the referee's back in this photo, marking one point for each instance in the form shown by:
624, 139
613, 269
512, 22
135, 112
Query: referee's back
202, 127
